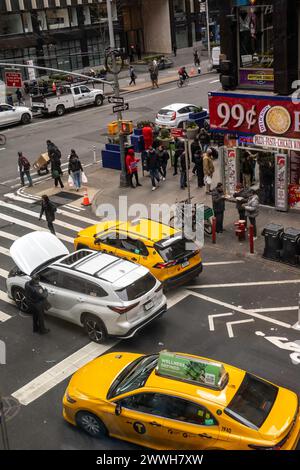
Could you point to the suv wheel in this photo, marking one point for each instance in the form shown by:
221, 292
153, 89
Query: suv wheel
26, 118
90, 424
95, 329
99, 100
18, 295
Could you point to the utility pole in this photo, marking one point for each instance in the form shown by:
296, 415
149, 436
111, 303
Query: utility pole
187, 163
123, 175
208, 37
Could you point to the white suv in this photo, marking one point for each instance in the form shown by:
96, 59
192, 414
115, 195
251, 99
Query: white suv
12, 115
106, 295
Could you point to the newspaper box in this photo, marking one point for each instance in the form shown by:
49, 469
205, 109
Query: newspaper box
42, 161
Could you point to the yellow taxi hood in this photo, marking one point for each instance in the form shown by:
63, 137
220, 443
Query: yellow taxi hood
98, 228
95, 378
281, 416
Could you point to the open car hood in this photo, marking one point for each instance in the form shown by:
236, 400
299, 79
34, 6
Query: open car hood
35, 249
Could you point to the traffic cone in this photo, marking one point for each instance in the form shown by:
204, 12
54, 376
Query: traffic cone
86, 200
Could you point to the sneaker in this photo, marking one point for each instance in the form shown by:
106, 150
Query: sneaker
154, 188
164, 179
255, 238
139, 184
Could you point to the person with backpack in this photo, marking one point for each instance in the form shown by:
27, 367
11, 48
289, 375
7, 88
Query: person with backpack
24, 169
49, 208
75, 169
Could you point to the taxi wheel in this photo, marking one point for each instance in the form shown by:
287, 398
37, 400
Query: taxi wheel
90, 424
95, 329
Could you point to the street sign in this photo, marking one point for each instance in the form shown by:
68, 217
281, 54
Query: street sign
176, 132
13, 79
121, 107
116, 99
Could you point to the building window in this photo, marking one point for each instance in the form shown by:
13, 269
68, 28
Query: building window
58, 19
41, 17
11, 24
73, 16
256, 54
27, 22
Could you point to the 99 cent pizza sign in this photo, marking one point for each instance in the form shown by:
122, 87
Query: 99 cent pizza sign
13, 79
256, 115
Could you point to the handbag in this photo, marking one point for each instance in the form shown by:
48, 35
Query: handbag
55, 174
70, 182
84, 178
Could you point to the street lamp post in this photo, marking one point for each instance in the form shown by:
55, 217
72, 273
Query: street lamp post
123, 175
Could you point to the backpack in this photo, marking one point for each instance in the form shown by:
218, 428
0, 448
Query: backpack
25, 163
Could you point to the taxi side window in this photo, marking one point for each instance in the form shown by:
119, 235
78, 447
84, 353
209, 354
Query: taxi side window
186, 411
143, 402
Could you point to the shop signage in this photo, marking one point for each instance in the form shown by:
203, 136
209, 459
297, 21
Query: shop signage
276, 142
257, 77
13, 79
177, 132
31, 71
231, 171
190, 369
245, 140
255, 115
294, 196
281, 179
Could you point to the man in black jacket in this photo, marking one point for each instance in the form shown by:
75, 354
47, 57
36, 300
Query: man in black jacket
218, 200
49, 208
36, 297
153, 166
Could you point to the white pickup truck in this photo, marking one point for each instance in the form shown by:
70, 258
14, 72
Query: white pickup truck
66, 97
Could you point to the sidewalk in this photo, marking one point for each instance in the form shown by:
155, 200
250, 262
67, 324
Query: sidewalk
168, 193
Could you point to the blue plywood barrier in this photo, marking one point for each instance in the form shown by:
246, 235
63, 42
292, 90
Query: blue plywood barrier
111, 159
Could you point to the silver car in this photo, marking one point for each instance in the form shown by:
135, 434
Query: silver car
106, 295
14, 114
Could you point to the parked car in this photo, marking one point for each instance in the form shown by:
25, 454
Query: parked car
106, 295
67, 97
172, 401
174, 115
164, 250
14, 114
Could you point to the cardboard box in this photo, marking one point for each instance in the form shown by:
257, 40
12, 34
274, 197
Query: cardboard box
41, 161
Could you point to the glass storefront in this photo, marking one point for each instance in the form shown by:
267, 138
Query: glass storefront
255, 42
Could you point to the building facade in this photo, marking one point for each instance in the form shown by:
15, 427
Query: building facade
259, 111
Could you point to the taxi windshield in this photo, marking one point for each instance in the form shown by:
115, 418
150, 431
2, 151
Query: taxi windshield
133, 376
252, 402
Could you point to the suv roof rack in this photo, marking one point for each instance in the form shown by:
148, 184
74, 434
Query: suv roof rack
74, 258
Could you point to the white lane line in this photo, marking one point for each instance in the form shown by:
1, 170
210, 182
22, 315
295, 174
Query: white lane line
34, 227
241, 310
245, 284
276, 309
4, 317
4, 251
78, 217
13, 207
4, 297
9, 236
215, 81
211, 319
3, 148
42, 384
223, 263
4, 273
14, 197
229, 326
175, 297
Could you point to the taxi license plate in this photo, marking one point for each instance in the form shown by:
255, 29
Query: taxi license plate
148, 305
184, 265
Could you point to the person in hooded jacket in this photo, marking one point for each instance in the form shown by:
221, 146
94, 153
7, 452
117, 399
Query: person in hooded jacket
153, 165
75, 169
163, 157
132, 168
49, 209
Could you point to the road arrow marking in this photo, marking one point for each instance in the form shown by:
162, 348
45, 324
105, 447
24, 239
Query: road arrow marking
211, 321
229, 327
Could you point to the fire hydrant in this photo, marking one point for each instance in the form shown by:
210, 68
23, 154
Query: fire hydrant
240, 230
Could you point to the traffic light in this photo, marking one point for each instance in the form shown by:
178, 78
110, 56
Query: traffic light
126, 127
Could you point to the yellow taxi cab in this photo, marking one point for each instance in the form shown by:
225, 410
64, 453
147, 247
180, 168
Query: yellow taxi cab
162, 249
172, 401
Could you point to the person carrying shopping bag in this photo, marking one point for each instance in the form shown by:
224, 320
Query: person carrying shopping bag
75, 169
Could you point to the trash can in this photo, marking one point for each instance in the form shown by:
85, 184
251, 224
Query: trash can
273, 234
291, 247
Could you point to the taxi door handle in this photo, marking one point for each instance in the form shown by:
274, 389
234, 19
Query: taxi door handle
206, 436
155, 424
128, 422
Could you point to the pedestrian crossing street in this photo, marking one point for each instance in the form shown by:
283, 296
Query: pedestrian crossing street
19, 215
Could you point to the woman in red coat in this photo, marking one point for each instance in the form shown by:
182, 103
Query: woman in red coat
131, 167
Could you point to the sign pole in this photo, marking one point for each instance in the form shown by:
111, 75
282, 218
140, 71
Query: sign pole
123, 175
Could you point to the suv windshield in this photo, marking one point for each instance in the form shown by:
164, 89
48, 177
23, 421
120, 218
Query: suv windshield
177, 249
253, 402
137, 289
134, 376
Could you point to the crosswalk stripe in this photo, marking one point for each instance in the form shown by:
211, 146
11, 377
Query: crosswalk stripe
34, 227
4, 317
9, 236
4, 251
3, 273
14, 197
36, 215
4, 297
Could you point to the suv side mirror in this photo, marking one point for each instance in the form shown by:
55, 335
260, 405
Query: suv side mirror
118, 409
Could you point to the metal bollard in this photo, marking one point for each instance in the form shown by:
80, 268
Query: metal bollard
251, 239
214, 230
94, 154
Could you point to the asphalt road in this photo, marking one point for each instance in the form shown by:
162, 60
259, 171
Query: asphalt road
83, 129
239, 311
